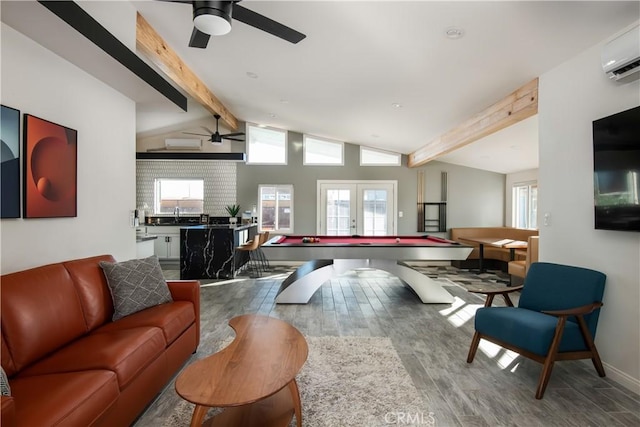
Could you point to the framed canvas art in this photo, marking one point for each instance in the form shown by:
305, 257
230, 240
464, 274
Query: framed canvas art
10, 162
50, 169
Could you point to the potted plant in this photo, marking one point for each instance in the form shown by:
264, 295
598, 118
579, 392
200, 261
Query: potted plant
233, 210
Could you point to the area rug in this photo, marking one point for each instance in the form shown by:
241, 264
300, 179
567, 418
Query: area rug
348, 381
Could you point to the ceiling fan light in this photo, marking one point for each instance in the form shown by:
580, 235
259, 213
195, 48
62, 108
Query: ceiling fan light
213, 24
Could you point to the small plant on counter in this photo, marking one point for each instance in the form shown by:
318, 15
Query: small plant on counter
233, 210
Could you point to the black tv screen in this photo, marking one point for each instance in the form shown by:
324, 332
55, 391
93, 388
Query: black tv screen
616, 167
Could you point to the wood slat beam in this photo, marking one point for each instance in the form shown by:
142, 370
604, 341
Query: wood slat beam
153, 46
517, 106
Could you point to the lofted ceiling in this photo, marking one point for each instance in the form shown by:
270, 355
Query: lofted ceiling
361, 57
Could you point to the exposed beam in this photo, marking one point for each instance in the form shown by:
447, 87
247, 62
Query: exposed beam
153, 46
517, 106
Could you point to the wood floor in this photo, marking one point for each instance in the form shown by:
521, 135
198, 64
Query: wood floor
497, 389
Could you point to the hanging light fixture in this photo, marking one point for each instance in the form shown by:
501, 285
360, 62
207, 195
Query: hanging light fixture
212, 17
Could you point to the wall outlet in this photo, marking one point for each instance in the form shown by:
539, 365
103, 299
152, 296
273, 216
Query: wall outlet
546, 219
400, 214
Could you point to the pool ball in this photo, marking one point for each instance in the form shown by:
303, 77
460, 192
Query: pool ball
397, 240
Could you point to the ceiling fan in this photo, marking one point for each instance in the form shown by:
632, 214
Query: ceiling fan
213, 18
216, 137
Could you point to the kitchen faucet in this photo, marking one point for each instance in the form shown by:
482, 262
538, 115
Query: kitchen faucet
176, 214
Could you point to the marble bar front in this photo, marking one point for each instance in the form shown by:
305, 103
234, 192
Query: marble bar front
208, 251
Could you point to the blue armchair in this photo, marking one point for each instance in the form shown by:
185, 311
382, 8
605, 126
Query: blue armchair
556, 318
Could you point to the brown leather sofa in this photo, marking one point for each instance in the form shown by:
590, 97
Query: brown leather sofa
500, 256
69, 364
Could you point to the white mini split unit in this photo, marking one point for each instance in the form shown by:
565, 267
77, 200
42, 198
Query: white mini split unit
183, 144
621, 56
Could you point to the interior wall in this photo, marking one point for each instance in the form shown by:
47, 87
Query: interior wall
523, 177
38, 82
571, 97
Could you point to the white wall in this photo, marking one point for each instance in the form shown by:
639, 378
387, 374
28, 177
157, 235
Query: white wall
38, 82
571, 97
511, 179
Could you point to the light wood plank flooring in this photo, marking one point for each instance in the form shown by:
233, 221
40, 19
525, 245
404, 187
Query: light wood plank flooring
497, 389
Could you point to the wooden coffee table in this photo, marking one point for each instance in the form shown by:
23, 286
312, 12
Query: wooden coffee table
253, 377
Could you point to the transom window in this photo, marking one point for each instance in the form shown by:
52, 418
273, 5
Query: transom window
375, 157
321, 151
525, 205
275, 213
185, 194
266, 145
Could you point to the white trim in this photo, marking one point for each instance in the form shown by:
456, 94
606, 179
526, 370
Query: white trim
259, 208
622, 378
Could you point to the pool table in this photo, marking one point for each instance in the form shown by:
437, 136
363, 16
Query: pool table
328, 256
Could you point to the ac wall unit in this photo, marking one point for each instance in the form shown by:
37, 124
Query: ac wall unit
621, 56
183, 144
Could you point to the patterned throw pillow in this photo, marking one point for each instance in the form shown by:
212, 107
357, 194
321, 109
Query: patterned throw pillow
4, 383
135, 285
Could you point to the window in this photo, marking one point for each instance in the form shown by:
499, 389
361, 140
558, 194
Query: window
266, 146
374, 157
320, 151
275, 213
186, 194
525, 205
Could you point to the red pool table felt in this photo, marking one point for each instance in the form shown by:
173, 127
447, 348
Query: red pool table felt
367, 240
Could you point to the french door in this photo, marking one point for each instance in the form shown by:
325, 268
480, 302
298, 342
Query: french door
367, 208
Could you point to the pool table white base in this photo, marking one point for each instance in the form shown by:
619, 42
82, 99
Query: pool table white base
300, 286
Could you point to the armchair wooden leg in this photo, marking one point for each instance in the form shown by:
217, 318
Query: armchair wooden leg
595, 357
547, 367
474, 347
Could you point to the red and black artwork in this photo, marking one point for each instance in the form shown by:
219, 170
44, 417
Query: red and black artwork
50, 169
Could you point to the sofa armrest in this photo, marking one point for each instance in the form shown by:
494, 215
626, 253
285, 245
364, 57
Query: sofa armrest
187, 290
8, 411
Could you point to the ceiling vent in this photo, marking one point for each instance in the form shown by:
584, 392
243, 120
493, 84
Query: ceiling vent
183, 144
621, 56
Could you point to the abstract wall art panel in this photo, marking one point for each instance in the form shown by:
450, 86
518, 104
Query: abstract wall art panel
50, 169
10, 162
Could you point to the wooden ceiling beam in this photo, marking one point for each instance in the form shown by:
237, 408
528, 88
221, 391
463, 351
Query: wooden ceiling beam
153, 46
517, 106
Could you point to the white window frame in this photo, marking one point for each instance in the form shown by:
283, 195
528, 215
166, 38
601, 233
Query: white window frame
157, 196
291, 214
306, 137
376, 150
515, 208
249, 127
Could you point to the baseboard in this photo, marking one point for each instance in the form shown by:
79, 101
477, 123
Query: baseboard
621, 378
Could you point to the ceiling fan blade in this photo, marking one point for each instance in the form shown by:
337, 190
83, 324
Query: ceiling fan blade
208, 130
199, 39
233, 134
199, 134
233, 139
268, 25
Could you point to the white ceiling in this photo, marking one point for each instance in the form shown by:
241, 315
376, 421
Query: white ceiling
360, 57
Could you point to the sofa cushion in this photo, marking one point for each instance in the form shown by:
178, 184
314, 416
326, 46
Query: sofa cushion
527, 329
135, 285
126, 352
173, 319
66, 399
92, 288
5, 388
40, 313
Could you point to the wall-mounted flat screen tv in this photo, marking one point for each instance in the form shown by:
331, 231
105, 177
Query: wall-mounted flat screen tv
616, 167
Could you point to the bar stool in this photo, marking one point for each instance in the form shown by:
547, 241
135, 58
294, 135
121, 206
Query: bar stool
251, 249
264, 238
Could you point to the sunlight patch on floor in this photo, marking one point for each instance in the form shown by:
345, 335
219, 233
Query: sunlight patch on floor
460, 312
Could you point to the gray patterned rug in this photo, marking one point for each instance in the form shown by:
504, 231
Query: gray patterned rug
348, 381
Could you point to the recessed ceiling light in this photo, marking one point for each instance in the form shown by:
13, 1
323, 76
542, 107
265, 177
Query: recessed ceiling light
262, 126
273, 115
396, 105
252, 75
375, 135
454, 33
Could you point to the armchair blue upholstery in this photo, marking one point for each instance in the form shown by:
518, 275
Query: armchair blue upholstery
556, 318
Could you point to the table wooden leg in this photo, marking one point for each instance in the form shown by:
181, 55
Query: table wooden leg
481, 258
297, 405
198, 415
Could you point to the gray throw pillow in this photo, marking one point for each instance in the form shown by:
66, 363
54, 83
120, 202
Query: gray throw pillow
4, 383
135, 285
